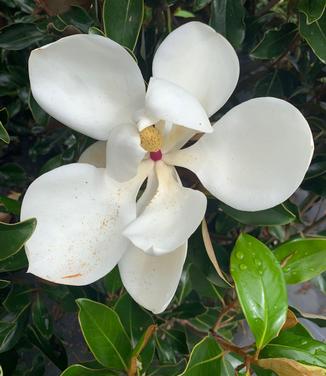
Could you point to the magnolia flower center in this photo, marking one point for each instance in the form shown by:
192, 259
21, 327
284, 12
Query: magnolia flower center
151, 140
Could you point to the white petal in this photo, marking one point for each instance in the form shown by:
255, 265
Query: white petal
80, 214
149, 192
87, 82
256, 157
175, 136
170, 218
201, 61
152, 280
124, 152
167, 101
95, 155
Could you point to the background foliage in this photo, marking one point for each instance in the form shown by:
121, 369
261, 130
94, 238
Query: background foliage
282, 51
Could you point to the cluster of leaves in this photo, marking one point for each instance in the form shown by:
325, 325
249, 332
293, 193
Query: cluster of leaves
238, 265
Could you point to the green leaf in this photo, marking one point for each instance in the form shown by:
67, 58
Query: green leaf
104, 334
168, 369
4, 283
18, 298
40, 116
205, 359
77, 17
41, 318
279, 215
135, 320
11, 205
18, 36
315, 35
112, 282
14, 236
200, 4
183, 13
122, 21
16, 262
275, 42
52, 348
313, 9
4, 136
296, 344
12, 329
302, 259
260, 286
80, 370
227, 18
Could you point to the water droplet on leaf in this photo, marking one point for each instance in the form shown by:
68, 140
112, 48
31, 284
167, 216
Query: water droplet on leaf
239, 255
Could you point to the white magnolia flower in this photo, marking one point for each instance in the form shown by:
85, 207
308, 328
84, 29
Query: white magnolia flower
88, 221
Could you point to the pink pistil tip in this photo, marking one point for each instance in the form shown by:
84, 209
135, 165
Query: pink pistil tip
156, 155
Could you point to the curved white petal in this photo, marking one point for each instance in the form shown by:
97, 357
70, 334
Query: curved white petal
152, 280
87, 82
170, 218
256, 157
124, 152
174, 136
80, 214
167, 101
201, 61
149, 192
95, 155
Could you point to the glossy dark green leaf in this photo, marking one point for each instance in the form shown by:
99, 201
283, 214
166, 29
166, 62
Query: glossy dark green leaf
15, 262
302, 259
18, 298
297, 344
112, 282
260, 286
168, 369
270, 86
80, 370
313, 9
122, 21
200, 4
4, 283
12, 174
12, 206
104, 334
170, 344
77, 17
12, 329
40, 116
275, 42
41, 318
279, 215
315, 35
227, 18
52, 348
4, 136
14, 236
136, 320
19, 35
205, 359
202, 285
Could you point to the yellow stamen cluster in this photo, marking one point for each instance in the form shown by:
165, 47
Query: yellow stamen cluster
151, 139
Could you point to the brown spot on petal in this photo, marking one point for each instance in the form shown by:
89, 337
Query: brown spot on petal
72, 276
